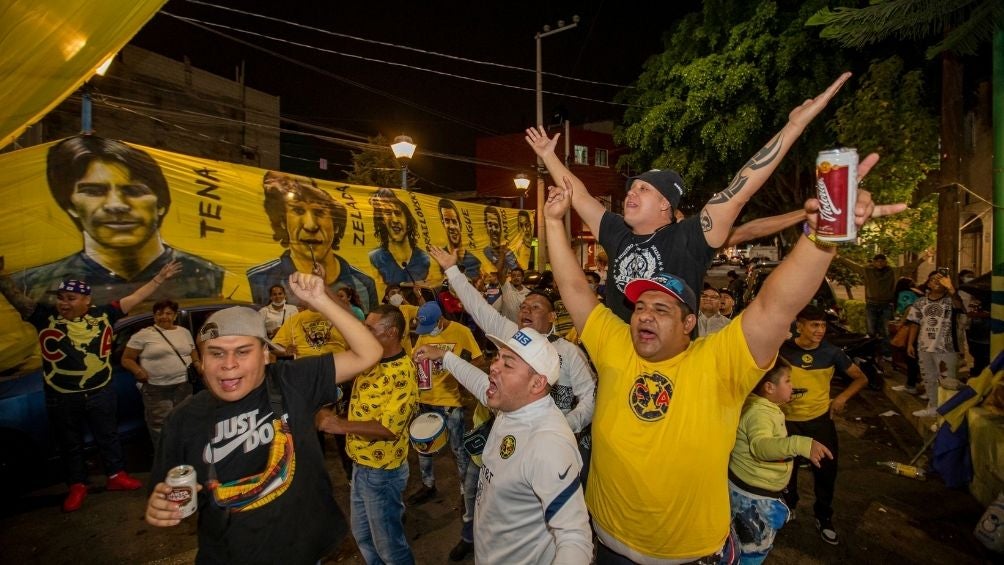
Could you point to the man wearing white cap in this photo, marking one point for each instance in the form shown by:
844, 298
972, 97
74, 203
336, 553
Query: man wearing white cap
530, 507
251, 439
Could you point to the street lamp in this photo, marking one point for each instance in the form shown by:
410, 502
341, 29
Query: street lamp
541, 233
404, 150
86, 120
522, 183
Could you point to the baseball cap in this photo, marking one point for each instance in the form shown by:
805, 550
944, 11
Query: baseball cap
663, 282
428, 316
73, 285
668, 183
535, 349
235, 321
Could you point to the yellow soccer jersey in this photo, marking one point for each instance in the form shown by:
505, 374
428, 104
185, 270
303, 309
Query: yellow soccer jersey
311, 333
387, 393
812, 369
445, 389
662, 435
410, 313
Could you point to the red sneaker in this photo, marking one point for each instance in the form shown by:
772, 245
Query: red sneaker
78, 492
122, 481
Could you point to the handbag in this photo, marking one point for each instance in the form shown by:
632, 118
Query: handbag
194, 378
902, 337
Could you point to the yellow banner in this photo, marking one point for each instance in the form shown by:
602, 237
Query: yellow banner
112, 214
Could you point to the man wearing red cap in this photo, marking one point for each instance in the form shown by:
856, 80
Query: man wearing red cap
76, 343
647, 239
667, 408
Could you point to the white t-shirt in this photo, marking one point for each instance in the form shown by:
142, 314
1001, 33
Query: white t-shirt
275, 318
158, 359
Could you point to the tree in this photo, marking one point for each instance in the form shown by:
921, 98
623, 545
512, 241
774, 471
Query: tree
376, 166
724, 85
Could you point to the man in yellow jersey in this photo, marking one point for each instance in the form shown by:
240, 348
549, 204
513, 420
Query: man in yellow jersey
382, 403
813, 363
444, 396
667, 407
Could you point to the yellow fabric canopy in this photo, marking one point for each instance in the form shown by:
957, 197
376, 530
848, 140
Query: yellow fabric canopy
49, 48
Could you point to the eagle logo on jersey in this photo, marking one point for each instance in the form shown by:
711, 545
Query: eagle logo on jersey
806, 360
507, 447
650, 396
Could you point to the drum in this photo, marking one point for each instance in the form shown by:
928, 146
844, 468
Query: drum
428, 433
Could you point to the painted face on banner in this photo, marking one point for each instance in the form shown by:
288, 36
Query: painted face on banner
493, 225
525, 228
114, 210
311, 228
451, 223
395, 221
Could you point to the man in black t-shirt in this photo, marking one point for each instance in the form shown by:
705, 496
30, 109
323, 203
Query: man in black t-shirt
647, 239
265, 496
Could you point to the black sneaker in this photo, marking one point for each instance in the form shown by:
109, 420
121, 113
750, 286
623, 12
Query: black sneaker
422, 495
826, 531
460, 551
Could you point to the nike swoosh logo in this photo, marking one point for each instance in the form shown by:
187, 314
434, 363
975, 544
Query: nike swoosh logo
561, 476
217, 454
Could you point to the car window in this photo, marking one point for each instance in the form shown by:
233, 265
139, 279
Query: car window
124, 333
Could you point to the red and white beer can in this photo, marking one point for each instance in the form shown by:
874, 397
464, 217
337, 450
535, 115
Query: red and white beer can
183, 481
424, 374
837, 191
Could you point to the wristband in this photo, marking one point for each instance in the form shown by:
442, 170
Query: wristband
811, 235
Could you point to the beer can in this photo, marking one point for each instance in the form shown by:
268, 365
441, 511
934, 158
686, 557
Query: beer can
183, 481
837, 191
425, 374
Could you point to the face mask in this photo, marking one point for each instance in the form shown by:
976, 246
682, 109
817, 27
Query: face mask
967, 279
279, 304
396, 299
436, 331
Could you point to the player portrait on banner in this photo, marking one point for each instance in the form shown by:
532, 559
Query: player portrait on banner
398, 259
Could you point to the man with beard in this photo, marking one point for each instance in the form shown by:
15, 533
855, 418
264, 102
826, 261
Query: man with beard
117, 197
310, 224
450, 217
398, 259
494, 249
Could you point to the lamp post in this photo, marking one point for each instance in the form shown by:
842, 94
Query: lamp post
522, 183
404, 150
541, 235
86, 120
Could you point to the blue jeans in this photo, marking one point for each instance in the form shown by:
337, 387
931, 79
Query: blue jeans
756, 520
877, 317
70, 414
377, 511
470, 498
455, 427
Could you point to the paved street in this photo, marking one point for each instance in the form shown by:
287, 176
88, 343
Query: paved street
881, 518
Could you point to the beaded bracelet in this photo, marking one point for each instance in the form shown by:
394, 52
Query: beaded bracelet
811, 235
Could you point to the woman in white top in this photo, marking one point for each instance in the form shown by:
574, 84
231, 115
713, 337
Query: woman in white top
158, 356
277, 311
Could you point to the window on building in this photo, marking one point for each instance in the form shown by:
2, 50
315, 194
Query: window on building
600, 157
581, 155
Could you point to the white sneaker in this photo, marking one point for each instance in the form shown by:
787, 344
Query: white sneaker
926, 413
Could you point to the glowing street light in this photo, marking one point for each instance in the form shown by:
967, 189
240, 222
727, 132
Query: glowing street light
404, 149
522, 183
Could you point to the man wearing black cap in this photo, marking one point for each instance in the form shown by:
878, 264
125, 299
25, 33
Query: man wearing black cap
660, 393
265, 493
647, 239
76, 343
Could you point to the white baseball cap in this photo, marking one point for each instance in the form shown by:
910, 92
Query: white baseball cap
535, 349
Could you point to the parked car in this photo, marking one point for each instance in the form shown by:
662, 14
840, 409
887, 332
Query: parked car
28, 443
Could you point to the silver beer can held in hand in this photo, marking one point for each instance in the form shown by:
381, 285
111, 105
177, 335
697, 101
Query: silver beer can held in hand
837, 191
184, 491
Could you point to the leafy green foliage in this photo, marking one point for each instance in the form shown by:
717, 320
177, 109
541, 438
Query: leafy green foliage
887, 115
377, 167
970, 23
724, 85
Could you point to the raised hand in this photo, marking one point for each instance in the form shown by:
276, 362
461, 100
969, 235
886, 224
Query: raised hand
307, 287
537, 139
559, 199
446, 259
167, 271
804, 113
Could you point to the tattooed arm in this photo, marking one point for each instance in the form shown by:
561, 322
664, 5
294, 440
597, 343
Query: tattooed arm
723, 208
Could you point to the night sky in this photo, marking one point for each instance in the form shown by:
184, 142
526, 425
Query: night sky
610, 44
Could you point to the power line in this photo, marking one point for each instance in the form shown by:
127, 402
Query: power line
393, 63
405, 47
